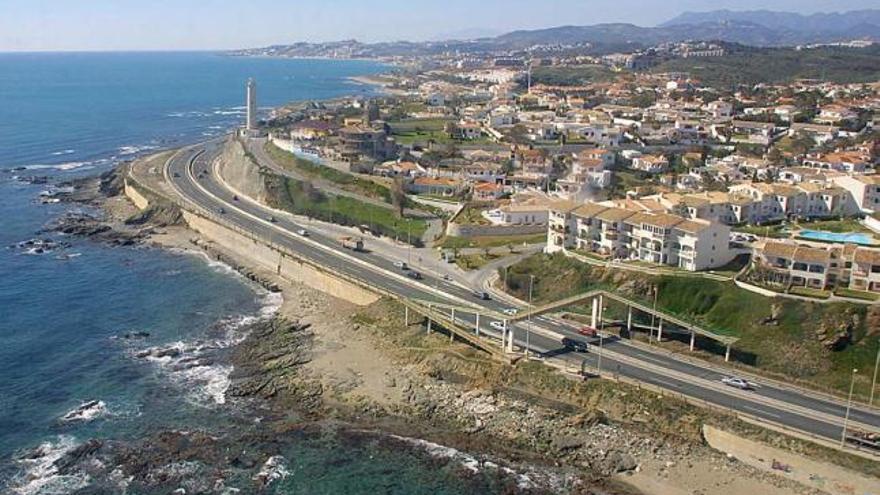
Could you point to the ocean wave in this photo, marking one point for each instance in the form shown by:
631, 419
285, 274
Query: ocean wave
86, 412
134, 150
40, 475
467, 461
58, 166
195, 363
273, 469
63, 152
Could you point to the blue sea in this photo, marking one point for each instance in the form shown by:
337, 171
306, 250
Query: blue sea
64, 313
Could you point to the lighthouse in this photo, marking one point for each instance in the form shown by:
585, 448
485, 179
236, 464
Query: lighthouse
251, 105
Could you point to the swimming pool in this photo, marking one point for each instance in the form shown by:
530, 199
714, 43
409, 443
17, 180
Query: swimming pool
847, 238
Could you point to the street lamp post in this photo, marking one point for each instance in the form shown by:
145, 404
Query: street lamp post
599, 366
852, 383
529, 326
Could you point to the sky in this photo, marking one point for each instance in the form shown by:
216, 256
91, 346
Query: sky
49, 25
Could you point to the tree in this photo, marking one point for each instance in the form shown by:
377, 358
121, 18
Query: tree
398, 195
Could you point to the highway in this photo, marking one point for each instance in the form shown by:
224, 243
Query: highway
191, 173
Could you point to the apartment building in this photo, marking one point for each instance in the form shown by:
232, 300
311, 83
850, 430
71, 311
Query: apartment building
788, 264
629, 234
864, 190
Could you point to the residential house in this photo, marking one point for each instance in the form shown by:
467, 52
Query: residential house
652, 164
435, 186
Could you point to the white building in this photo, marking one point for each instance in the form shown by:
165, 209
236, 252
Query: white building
620, 233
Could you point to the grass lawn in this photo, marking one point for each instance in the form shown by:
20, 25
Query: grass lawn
788, 347
471, 216
841, 226
857, 294
450, 242
349, 182
474, 261
302, 199
810, 292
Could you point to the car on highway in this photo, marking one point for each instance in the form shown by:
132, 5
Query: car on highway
481, 295
302, 232
235, 198
588, 331
401, 265
273, 219
222, 210
740, 383
176, 175
414, 275
510, 311
497, 325
575, 345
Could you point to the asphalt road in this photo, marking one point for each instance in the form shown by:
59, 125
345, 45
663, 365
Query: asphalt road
793, 408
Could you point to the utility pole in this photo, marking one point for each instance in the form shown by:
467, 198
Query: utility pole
599, 366
529, 326
874, 381
852, 383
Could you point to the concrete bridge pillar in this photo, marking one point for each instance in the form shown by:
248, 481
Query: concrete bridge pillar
429, 320
693, 338
477, 325
660, 331
601, 311
406, 316
595, 313
629, 319
509, 334
727, 354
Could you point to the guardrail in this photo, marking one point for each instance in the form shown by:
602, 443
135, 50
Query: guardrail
205, 214
765, 423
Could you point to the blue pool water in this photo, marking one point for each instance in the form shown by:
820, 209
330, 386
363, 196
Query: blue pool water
843, 238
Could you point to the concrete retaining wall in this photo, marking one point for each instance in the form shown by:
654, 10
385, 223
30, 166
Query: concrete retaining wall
135, 196
822, 476
284, 265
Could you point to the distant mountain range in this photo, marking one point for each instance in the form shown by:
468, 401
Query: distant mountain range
755, 28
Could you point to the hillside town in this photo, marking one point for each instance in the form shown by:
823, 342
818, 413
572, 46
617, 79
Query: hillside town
637, 167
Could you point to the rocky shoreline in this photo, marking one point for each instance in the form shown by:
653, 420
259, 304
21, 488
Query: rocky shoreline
363, 376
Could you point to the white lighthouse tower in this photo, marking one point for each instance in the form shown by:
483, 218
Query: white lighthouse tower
251, 105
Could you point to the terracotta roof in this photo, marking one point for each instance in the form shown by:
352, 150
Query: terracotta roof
589, 210
615, 215
779, 249
812, 255
693, 226
867, 256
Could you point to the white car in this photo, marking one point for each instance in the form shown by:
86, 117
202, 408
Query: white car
302, 232
739, 383
401, 265
497, 325
510, 311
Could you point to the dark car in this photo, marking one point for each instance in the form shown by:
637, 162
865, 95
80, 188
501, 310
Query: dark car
575, 345
273, 219
481, 295
414, 275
